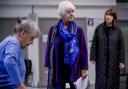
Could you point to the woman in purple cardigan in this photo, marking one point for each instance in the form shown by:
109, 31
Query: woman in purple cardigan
66, 52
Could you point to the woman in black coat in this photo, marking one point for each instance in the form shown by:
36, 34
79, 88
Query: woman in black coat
108, 52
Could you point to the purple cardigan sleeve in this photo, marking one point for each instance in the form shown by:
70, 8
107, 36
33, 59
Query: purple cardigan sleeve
47, 53
83, 49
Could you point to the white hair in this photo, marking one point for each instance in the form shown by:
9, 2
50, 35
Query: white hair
64, 6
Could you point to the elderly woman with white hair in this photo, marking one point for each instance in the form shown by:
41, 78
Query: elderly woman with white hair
66, 51
12, 66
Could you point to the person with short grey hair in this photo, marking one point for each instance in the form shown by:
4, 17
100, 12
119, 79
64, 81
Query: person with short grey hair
66, 51
12, 66
65, 6
27, 27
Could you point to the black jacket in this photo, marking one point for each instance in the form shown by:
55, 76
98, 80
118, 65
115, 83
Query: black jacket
108, 51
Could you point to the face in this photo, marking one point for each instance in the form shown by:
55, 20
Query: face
108, 18
69, 15
27, 38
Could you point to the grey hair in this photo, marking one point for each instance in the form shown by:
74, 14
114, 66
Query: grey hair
65, 5
26, 26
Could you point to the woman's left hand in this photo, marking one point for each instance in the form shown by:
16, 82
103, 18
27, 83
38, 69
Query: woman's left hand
121, 65
84, 74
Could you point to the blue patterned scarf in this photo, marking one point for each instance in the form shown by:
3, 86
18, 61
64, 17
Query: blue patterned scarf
70, 41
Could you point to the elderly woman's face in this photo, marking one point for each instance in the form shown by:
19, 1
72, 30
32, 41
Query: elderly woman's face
69, 15
27, 39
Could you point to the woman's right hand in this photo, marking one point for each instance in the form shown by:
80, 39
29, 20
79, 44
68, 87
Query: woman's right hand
22, 86
93, 62
84, 74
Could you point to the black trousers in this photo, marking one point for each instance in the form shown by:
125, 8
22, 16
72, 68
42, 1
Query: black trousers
67, 72
62, 86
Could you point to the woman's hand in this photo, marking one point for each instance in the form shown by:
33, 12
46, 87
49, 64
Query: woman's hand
93, 62
121, 66
22, 86
84, 74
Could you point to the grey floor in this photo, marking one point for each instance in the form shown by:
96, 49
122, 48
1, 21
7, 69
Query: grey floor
90, 87
123, 86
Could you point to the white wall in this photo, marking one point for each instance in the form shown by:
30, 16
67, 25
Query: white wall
48, 9
44, 8
55, 2
33, 54
90, 32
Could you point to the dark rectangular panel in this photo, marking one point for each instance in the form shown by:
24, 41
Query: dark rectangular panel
122, 1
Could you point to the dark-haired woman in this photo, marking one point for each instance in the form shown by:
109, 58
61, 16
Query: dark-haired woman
108, 52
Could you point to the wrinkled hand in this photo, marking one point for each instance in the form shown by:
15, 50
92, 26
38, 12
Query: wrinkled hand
84, 74
121, 66
93, 62
71, 50
22, 86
